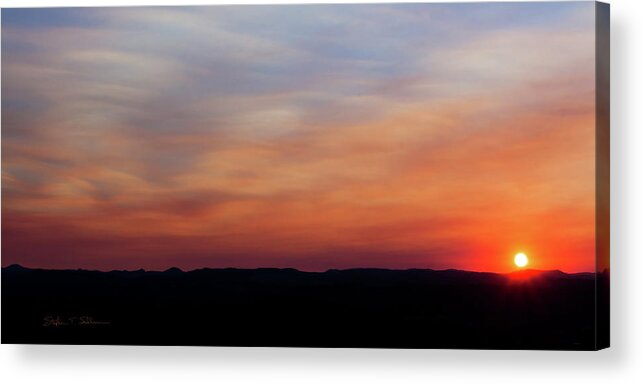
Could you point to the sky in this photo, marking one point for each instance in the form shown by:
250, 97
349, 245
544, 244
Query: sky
305, 136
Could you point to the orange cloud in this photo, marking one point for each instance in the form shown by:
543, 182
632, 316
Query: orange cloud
115, 157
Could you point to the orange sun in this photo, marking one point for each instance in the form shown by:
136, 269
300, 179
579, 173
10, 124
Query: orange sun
521, 260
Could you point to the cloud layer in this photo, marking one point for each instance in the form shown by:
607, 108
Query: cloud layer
315, 137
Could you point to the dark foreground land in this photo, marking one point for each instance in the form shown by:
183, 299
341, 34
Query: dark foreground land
285, 307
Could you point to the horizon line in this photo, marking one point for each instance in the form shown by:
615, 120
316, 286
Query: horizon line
303, 271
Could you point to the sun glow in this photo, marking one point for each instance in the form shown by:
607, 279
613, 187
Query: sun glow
521, 260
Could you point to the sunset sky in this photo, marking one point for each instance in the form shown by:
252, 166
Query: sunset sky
313, 137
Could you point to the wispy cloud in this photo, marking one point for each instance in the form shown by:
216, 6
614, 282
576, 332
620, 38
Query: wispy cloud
306, 136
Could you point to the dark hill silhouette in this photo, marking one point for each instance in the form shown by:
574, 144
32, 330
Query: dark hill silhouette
553, 274
415, 308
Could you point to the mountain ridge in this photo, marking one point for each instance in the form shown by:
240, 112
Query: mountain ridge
553, 273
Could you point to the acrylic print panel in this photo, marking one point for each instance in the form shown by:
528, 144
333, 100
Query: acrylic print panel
379, 175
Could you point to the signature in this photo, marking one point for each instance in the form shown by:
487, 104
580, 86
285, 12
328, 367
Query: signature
59, 321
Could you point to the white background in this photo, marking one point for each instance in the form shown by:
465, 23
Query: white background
622, 363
